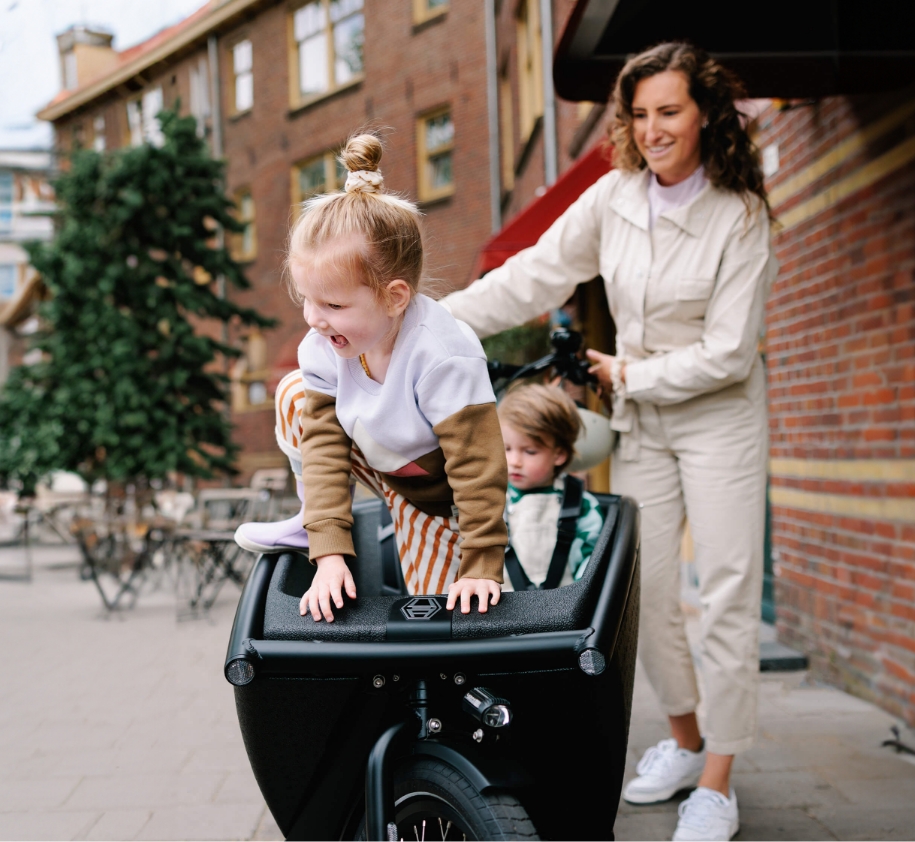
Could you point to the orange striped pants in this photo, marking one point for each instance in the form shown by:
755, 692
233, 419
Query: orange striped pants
429, 546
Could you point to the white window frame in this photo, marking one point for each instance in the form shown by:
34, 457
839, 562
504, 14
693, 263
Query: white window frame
98, 133
242, 57
200, 95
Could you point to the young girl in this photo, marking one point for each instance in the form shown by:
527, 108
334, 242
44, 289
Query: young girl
393, 391
540, 425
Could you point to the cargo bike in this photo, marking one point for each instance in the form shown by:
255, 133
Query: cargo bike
402, 720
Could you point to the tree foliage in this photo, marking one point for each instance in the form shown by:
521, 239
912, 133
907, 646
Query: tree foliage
130, 384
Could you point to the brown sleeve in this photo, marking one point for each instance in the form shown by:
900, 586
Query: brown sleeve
471, 440
326, 468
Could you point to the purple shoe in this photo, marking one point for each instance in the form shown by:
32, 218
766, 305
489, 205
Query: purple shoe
281, 536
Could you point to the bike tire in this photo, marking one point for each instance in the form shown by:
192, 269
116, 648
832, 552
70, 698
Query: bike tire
427, 790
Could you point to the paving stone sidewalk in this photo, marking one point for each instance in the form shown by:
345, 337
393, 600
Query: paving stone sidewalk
123, 727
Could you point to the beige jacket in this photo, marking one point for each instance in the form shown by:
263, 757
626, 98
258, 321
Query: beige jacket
687, 297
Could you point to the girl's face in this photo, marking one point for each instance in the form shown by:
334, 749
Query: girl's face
666, 123
347, 311
530, 464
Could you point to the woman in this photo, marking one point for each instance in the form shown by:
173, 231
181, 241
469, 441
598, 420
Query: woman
679, 232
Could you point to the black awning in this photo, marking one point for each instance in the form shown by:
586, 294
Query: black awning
781, 48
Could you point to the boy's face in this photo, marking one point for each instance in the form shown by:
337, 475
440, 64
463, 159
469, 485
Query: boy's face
530, 464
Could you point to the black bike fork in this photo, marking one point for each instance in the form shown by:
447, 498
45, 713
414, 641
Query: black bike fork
379, 788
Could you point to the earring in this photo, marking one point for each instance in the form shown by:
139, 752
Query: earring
705, 123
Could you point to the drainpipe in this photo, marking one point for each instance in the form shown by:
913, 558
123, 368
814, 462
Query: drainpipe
492, 104
216, 116
216, 95
550, 154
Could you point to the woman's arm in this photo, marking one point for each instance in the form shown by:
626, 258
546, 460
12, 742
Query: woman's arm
541, 277
733, 322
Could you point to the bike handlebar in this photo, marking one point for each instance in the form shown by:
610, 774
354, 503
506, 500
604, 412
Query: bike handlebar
564, 359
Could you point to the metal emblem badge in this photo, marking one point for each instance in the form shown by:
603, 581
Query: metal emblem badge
421, 608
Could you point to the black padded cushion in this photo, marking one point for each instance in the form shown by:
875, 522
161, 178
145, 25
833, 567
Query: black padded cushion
365, 619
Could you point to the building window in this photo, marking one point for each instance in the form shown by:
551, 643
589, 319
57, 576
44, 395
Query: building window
328, 38
423, 10
530, 67
507, 130
98, 134
8, 275
69, 60
6, 201
242, 76
135, 121
321, 174
244, 243
435, 147
143, 120
200, 95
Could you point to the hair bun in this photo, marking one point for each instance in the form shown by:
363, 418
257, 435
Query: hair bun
361, 157
362, 152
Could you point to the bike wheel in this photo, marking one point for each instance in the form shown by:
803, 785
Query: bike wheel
435, 801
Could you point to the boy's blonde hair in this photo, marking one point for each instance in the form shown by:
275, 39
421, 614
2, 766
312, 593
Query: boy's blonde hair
371, 234
545, 414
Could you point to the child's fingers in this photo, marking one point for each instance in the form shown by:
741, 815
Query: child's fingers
336, 592
326, 609
496, 593
349, 584
466, 593
452, 596
303, 604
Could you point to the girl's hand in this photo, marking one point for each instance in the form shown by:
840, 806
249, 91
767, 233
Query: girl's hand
332, 578
465, 588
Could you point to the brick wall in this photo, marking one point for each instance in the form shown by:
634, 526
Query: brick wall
840, 350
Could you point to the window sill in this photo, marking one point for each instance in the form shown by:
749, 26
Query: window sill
296, 108
437, 199
260, 407
237, 115
430, 19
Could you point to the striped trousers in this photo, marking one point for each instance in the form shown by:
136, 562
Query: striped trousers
428, 545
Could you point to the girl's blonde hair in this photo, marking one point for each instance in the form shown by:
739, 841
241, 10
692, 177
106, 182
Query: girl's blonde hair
371, 234
545, 414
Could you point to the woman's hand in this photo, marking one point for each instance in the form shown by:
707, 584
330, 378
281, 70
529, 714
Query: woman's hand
332, 578
465, 588
602, 369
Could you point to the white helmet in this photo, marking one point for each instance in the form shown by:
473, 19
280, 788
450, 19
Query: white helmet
594, 442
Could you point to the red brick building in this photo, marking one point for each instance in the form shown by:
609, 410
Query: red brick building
457, 89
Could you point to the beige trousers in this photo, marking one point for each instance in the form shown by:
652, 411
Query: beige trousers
703, 461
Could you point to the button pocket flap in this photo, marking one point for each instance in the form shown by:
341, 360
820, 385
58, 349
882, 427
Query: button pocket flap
694, 289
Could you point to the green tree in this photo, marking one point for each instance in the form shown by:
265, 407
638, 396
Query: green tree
130, 385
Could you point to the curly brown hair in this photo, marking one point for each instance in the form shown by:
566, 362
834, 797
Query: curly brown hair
730, 158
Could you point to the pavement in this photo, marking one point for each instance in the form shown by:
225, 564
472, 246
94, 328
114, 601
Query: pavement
123, 727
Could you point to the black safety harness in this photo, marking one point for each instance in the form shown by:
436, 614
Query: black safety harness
569, 512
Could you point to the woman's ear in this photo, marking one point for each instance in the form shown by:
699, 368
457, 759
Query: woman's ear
398, 294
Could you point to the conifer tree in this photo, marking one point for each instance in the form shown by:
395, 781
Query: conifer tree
130, 384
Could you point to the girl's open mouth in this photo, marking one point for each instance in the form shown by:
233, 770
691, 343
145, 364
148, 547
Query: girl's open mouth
338, 341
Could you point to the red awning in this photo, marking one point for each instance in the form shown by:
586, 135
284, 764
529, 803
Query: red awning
525, 229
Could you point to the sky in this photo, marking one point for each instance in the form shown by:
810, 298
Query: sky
29, 64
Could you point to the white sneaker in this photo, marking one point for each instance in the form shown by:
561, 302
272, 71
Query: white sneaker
664, 770
707, 816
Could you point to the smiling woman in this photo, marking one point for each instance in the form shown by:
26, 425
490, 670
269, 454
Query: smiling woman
679, 233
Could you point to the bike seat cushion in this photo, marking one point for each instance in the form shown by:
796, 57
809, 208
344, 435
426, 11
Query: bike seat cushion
366, 618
